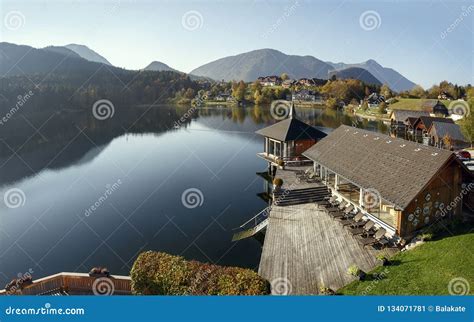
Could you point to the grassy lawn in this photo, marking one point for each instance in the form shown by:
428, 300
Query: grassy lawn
414, 103
425, 270
372, 114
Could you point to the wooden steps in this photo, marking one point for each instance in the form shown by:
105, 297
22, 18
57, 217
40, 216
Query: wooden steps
300, 196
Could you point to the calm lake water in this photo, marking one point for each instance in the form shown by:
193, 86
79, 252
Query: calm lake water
134, 168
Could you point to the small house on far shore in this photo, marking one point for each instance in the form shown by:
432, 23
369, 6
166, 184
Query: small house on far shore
398, 121
447, 136
422, 126
288, 139
439, 109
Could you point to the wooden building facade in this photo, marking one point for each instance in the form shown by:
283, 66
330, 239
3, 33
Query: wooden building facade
288, 139
402, 186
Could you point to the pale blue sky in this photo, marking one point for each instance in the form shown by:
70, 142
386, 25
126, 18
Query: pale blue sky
132, 33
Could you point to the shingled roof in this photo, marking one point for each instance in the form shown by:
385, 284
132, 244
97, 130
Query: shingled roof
441, 129
402, 115
396, 168
428, 121
291, 129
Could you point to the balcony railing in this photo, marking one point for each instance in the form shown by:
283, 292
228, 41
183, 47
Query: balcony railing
288, 161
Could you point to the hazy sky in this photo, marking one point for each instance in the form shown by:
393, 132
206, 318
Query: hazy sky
427, 41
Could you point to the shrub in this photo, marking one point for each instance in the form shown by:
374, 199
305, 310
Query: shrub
353, 270
156, 273
278, 182
381, 257
426, 236
326, 291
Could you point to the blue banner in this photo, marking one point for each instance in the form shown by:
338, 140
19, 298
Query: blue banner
258, 309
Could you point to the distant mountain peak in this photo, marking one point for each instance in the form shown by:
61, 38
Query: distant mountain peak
385, 75
159, 66
356, 73
371, 62
87, 53
250, 65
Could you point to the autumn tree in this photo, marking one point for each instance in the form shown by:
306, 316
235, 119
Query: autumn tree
284, 76
467, 122
238, 90
386, 91
417, 91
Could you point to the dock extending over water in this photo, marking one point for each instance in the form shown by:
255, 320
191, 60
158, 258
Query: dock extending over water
308, 250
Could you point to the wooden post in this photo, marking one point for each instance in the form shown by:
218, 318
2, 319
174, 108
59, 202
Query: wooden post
361, 198
336, 181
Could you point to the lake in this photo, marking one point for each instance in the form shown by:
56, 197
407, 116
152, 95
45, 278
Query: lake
80, 192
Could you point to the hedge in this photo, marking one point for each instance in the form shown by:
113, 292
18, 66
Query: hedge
157, 273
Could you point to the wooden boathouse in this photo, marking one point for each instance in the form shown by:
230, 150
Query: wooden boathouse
396, 187
286, 140
401, 185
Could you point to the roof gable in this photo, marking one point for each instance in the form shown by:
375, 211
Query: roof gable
428, 120
402, 115
442, 129
291, 129
396, 168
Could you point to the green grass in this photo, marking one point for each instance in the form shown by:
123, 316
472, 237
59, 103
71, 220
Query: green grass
425, 270
414, 103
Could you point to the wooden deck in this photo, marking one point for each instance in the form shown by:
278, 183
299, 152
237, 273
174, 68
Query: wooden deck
307, 249
291, 181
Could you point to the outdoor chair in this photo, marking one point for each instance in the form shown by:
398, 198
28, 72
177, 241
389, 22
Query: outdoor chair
366, 230
338, 208
356, 220
379, 238
342, 214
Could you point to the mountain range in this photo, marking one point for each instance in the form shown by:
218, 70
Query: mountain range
246, 66
385, 75
355, 73
25, 60
249, 66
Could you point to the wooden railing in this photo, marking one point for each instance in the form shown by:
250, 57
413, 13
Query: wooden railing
289, 161
72, 283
